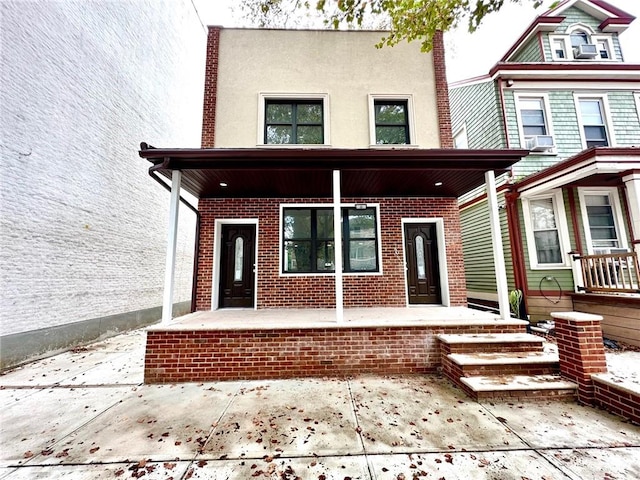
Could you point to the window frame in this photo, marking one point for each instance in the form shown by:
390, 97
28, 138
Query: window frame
618, 219
345, 270
544, 97
559, 213
604, 105
265, 97
461, 133
607, 39
404, 98
593, 38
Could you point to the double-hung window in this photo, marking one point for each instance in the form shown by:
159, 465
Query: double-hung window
293, 122
308, 240
547, 237
593, 121
602, 219
534, 124
532, 116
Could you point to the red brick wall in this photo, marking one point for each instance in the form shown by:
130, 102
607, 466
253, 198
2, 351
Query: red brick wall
580, 350
442, 91
317, 291
210, 89
211, 355
617, 400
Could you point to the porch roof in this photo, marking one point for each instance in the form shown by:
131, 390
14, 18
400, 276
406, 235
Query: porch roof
596, 166
307, 172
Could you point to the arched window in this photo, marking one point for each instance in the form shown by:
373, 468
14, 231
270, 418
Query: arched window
579, 37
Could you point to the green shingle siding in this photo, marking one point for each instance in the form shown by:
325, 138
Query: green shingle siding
626, 126
573, 15
530, 53
478, 248
477, 107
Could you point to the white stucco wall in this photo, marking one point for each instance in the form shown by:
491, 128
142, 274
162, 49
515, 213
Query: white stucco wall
344, 65
82, 225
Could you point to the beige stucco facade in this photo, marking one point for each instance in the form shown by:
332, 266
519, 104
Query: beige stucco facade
258, 64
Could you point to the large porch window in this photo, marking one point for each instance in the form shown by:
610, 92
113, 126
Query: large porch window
603, 221
547, 231
308, 239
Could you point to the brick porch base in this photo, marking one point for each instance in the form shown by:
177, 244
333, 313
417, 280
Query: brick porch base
236, 354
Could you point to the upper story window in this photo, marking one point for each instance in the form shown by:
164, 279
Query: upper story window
534, 125
391, 120
293, 121
308, 240
581, 43
558, 49
579, 37
546, 228
592, 118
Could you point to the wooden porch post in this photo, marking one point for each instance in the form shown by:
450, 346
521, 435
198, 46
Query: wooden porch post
498, 252
337, 245
172, 236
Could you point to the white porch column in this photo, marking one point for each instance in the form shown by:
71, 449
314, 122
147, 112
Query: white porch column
172, 236
337, 245
498, 252
632, 190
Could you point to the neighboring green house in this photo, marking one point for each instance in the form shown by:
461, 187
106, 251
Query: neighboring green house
563, 92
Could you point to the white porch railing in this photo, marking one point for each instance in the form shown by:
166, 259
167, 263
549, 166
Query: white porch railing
612, 272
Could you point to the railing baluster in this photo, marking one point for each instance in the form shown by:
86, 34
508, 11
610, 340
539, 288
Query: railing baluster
618, 272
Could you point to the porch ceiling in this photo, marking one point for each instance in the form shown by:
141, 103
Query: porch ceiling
288, 173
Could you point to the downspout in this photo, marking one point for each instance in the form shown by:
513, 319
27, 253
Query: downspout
156, 177
515, 239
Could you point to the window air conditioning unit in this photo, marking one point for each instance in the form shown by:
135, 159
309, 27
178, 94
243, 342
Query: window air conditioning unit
585, 51
539, 143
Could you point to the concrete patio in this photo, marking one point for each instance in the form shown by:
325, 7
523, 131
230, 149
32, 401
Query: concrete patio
85, 414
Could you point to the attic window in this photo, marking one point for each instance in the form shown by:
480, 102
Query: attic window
578, 37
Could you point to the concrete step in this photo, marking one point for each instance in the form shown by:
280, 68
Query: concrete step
487, 342
474, 338
518, 386
502, 358
457, 365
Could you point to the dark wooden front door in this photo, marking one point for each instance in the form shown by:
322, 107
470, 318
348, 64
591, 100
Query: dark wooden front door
423, 277
237, 265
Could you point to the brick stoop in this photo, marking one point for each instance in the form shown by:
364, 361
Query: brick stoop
503, 366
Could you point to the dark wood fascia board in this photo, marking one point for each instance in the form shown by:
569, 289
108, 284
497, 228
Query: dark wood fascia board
571, 162
573, 69
613, 10
541, 23
324, 159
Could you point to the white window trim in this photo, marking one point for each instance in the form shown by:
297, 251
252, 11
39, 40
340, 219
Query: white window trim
561, 224
607, 115
606, 38
442, 258
462, 132
326, 117
547, 115
637, 97
215, 274
618, 219
284, 274
567, 48
410, 118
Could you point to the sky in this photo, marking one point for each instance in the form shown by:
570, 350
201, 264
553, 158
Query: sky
468, 54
